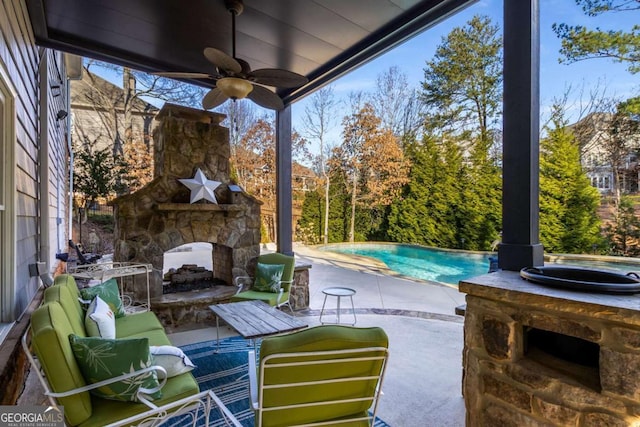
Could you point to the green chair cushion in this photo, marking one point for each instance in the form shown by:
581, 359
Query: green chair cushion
69, 282
136, 323
268, 297
321, 338
61, 294
100, 359
108, 411
109, 292
155, 337
50, 330
268, 277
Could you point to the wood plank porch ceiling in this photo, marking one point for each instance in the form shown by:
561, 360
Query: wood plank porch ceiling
321, 39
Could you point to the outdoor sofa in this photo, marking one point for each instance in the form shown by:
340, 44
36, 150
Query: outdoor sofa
61, 315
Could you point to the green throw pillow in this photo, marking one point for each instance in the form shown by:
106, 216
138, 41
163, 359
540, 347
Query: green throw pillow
100, 359
109, 293
268, 277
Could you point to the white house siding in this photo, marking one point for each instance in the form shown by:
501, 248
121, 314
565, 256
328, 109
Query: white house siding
38, 164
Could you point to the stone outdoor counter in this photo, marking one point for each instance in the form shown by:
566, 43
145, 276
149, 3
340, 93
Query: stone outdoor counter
541, 356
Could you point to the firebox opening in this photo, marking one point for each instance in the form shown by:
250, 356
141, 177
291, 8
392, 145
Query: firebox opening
574, 357
190, 267
199, 253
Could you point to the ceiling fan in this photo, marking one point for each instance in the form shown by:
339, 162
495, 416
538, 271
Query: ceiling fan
234, 78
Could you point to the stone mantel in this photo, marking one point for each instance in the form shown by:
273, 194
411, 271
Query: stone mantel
509, 288
199, 207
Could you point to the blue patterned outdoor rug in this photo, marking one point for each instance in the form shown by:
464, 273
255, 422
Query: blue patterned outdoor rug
226, 373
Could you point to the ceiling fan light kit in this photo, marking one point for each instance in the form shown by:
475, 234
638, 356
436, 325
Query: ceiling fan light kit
234, 78
234, 87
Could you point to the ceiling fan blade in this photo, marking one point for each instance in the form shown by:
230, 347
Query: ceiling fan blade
213, 98
265, 98
222, 60
183, 75
277, 77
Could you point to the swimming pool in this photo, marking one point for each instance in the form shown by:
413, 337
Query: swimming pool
450, 266
421, 262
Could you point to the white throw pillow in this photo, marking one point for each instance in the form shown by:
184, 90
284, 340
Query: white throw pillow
172, 359
100, 320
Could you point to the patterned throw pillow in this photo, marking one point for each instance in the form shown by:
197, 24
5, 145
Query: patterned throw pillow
268, 277
100, 321
109, 293
100, 359
172, 359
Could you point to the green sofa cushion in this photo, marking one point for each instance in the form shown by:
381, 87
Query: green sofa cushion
136, 323
156, 337
70, 304
268, 297
109, 411
50, 329
69, 282
62, 315
101, 358
321, 338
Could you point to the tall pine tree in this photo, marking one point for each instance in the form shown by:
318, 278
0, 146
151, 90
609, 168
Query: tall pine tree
568, 203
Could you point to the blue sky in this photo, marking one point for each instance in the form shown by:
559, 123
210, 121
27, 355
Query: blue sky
555, 78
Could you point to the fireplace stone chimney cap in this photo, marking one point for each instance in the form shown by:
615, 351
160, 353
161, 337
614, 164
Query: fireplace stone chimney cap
187, 113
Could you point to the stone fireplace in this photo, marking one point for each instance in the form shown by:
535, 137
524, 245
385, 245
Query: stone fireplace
540, 356
159, 217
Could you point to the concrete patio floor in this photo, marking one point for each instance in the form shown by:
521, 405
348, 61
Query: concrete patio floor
423, 383
424, 377
422, 387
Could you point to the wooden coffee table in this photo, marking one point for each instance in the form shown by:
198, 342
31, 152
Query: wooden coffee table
254, 319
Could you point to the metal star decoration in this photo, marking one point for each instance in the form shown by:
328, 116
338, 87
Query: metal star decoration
201, 187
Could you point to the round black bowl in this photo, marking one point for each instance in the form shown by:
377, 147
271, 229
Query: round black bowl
581, 279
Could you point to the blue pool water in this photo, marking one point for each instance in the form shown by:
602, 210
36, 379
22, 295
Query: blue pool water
420, 262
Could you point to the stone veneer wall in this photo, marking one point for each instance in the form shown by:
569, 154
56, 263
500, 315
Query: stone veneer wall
504, 386
159, 216
299, 294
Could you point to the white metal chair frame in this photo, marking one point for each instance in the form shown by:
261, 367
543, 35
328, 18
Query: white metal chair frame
156, 415
350, 355
116, 270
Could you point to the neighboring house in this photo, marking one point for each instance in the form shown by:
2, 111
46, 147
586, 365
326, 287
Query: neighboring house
34, 156
99, 116
599, 152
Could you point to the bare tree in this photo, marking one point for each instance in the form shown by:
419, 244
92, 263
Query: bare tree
117, 111
371, 158
241, 116
397, 104
319, 119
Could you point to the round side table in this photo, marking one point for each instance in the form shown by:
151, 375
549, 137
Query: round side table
338, 292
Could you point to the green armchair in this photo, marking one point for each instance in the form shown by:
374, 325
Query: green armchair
327, 375
277, 297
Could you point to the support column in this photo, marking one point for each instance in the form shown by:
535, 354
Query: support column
521, 146
284, 230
